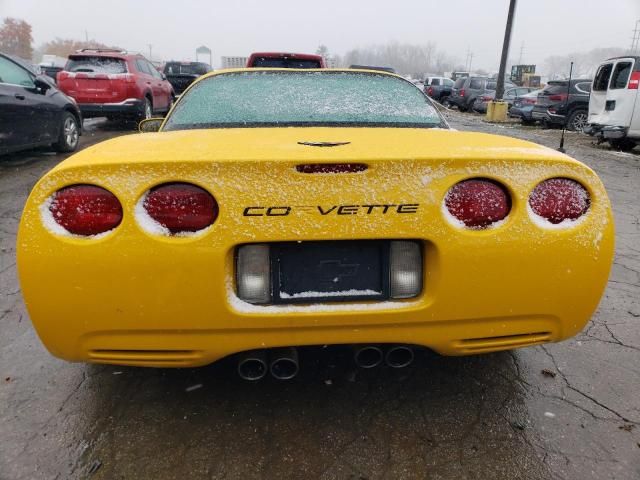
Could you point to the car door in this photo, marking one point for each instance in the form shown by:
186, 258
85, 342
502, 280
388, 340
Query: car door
26, 116
160, 91
620, 100
598, 97
143, 68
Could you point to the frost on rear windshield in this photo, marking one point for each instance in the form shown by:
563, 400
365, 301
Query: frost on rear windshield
281, 98
96, 64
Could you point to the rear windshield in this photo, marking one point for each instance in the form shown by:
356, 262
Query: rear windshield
96, 65
601, 81
175, 68
477, 83
460, 82
268, 62
491, 85
555, 88
281, 98
620, 75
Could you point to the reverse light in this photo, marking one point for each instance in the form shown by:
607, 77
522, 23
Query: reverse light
253, 273
478, 202
405, 269
85, 209
181, 207
559, 199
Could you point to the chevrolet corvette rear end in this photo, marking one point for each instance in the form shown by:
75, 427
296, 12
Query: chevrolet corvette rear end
273, 221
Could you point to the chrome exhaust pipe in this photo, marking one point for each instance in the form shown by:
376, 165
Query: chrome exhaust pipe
399, 356
367, 356
252, 365
284, 363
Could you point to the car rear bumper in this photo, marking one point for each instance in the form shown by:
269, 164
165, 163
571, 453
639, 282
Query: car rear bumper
608, 132
130, 106
133, 298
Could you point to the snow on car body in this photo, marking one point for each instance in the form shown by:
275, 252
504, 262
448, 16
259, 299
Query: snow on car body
289, 207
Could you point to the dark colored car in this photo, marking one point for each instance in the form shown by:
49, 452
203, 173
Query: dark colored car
33, 112
112, 83
182, 74
510, 96
51, 71
523, 107
467, 89
285, 60
438, 88
372, 67
558, 101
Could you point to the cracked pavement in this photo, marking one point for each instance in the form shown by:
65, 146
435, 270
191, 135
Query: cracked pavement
559, 411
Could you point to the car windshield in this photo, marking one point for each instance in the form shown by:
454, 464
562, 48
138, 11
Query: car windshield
173, 68
298, 98
96, 65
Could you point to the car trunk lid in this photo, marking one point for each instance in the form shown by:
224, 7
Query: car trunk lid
95, 79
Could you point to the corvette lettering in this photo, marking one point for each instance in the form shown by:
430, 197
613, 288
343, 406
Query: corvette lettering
325, 210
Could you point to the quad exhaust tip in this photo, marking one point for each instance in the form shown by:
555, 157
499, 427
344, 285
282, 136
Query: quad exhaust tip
399, 356
368, 356
252, 366
284, 363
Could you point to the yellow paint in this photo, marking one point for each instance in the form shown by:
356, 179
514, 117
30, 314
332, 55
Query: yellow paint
136, 299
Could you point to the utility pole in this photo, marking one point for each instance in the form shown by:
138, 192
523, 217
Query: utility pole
521, 52
635, 40
86, 36
505, 51
150, 48
470, 61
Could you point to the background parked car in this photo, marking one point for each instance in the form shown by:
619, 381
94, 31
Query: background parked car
509, 96
285, 60
614, 110
554, 103
182, 74
438, 88
373, 67
467, 89
33, 112
113, 83
523, 107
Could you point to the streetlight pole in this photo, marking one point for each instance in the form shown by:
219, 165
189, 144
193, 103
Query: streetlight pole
505, 51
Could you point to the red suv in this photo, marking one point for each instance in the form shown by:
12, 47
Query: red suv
113, 83
285, 60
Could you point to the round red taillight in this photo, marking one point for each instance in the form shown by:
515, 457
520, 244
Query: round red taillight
478, 202
86, 209
559, 199
181, 207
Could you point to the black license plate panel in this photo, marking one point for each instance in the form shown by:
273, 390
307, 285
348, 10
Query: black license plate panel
341, 271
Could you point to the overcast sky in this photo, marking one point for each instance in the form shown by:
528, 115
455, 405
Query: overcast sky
238, 27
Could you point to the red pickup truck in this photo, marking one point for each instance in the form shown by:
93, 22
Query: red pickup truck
285, 60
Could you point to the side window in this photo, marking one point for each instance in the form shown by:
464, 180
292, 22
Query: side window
448, 83
602, 77
153, 71
620, 75
14, 74
141, 65
583, 87
435, 81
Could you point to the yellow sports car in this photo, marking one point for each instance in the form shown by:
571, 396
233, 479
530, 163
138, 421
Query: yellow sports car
281, 208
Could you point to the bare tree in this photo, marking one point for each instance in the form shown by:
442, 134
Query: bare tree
15, 38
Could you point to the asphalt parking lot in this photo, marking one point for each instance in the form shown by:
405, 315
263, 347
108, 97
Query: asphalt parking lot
565, 411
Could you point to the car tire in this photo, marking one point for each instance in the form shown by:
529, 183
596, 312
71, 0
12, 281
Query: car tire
622, 144
526, 121
463, 108
446, 103
69, 134
577, 120
147, 109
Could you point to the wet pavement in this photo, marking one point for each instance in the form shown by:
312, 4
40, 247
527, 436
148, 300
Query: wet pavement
567, 411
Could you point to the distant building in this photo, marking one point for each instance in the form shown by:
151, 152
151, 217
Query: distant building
233, 62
